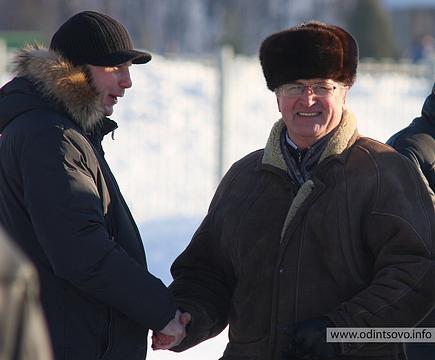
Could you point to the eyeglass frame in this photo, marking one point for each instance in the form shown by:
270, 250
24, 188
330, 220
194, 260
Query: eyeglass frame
312, 87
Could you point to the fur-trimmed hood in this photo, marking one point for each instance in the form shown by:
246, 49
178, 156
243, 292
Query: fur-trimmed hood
61, 82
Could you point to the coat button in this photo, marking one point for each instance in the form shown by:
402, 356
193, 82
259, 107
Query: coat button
281, 270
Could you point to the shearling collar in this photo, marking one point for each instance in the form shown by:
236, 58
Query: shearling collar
339, 142
61, 82
336, 145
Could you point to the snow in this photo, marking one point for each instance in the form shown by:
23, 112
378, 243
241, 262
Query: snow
164, 152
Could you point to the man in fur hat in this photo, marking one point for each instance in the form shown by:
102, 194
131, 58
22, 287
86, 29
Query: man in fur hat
321, 228
61, 203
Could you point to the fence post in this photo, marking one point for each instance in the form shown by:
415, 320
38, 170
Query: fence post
225, 57
432, 70
3, 57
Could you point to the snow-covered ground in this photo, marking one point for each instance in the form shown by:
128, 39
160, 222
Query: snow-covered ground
165, 150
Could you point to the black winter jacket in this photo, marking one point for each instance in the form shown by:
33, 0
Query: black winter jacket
62, 205
417, 141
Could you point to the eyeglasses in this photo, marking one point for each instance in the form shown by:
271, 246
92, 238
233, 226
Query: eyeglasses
294, 90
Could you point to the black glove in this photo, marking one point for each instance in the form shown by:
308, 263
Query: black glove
308, 340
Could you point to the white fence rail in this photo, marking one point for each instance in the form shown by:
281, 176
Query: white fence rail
181, 132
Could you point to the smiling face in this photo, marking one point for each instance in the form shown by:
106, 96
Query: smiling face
309, 117
110, 82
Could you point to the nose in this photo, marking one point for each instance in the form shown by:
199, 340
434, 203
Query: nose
308, 97
125, 79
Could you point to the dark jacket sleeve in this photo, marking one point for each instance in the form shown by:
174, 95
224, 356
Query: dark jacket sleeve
203, 274
399, 230
420, 149
63, 202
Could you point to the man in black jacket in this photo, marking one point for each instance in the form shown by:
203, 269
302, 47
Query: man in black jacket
417, 142
60, 201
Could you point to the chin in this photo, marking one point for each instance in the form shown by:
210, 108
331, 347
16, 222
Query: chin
108, 111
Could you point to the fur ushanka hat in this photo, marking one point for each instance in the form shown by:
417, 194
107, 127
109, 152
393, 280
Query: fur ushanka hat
311, 50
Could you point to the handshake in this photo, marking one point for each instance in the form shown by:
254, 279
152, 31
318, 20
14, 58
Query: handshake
173, 333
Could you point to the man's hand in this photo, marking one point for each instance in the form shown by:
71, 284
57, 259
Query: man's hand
308, 340
173, 333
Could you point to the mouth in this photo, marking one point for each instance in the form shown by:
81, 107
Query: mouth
114, 98
308, 114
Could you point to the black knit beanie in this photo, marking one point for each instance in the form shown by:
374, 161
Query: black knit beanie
96, 39
311, 50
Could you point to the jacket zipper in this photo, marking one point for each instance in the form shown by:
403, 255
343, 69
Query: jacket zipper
109, 336
290, 229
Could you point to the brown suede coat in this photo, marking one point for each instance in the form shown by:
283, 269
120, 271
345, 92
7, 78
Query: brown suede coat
354, 243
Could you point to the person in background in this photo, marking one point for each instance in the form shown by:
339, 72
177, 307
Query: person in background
320, 229
417, 143
23, 330
424, 49
61, 203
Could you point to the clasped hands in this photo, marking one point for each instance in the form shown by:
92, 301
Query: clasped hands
173, 333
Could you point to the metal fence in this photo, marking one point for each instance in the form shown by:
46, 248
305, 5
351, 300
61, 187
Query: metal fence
185, 122
385, 98
210, 115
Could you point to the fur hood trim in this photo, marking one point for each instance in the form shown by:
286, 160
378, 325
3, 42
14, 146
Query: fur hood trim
60, 81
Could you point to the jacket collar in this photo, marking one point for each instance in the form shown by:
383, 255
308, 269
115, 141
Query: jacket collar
341, 139
61, 82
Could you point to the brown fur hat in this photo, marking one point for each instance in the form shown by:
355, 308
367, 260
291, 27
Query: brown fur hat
311, 50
